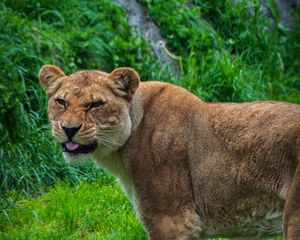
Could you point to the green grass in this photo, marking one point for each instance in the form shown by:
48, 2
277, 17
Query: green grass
97, 210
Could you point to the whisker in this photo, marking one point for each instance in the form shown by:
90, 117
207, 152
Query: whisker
101, 141
110, 141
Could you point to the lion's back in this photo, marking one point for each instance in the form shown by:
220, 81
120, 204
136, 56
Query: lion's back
244, 126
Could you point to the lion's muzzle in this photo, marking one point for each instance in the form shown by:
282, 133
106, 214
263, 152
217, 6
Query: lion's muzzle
70, 130
73, 147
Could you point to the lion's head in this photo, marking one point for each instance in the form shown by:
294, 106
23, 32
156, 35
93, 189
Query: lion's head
89, 110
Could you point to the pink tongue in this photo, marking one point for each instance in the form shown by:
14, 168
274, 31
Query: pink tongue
71, 146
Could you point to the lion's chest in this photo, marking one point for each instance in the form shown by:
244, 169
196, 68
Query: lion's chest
128, 188
114, 165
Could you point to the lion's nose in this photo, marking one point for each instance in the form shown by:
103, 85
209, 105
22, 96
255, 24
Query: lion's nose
70, 130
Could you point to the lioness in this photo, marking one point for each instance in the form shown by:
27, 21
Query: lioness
190, 169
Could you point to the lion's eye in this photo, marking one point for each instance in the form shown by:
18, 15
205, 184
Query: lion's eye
95, 104
61, 102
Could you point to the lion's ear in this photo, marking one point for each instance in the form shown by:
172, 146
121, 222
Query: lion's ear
125, 81
49, 76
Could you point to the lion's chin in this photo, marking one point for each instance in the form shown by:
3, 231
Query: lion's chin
76, 159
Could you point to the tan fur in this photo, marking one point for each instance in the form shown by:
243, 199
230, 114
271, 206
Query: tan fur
191, 169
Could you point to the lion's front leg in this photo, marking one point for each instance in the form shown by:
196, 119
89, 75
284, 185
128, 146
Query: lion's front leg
165, 203
292, 209
163, 184
166, 208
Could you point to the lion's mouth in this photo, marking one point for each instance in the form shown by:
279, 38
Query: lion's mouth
72, 147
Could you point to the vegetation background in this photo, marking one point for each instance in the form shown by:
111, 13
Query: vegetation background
226, 49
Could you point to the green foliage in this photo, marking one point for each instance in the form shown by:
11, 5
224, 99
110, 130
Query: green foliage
97, 210
228, 49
